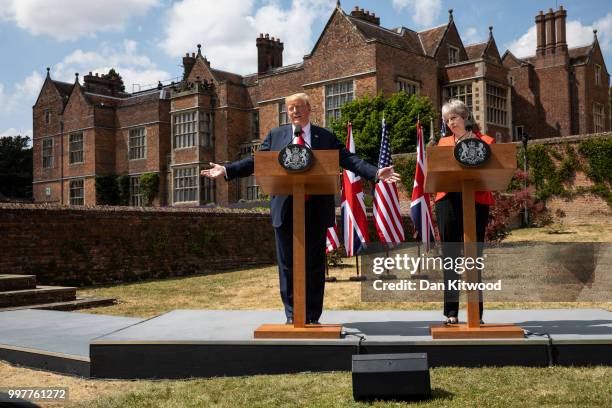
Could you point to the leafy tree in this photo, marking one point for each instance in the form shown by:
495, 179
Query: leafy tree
400, 111
16, 167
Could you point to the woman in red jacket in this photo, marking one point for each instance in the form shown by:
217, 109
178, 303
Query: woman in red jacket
449, 208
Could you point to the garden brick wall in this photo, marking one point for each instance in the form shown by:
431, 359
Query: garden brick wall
86, 246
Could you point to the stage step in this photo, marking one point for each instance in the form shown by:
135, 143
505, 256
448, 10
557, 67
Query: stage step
79, 303
17, 282
40, 295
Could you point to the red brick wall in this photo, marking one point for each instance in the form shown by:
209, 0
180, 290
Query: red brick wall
102, 245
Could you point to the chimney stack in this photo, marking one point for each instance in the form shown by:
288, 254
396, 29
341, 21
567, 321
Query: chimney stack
551, 38
540, 33
188, 63
365, 15
560, 16
269, 53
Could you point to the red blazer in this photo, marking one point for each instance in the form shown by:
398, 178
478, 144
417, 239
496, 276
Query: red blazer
481, 197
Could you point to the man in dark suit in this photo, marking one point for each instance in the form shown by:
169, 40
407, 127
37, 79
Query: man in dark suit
320, 209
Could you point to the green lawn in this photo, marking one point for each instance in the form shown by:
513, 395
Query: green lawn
452, 387
257, 288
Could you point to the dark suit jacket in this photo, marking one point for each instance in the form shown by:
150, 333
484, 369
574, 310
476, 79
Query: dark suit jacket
322, 205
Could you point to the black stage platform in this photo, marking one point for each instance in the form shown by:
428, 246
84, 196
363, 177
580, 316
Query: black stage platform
206, 343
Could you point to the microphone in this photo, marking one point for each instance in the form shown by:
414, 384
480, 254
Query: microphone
298, 130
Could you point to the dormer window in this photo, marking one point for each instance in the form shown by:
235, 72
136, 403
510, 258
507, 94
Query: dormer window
453, 54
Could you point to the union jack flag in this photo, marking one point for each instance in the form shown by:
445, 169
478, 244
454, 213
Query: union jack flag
353, 208
420, 212
386, 199
332, 241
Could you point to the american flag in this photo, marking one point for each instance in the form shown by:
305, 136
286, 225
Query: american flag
386, 199
332, 241
420, 212
353, 207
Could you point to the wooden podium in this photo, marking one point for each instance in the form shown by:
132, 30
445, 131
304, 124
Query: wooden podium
321, 178
444, 173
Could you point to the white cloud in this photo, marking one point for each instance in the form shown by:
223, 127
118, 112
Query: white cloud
24, 94
70, 19
577, 34
424, 12
228, 30
471, 36
134, 67
16, 132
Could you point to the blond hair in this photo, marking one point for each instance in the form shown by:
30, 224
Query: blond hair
300, 96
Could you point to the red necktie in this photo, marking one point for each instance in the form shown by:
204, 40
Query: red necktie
301, 141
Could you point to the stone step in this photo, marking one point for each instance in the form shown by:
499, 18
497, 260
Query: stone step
17, 282
42, 294
79, 303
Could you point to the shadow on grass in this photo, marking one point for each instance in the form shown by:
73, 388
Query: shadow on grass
245, 268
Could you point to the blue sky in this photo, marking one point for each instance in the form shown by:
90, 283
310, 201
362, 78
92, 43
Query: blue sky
145, 39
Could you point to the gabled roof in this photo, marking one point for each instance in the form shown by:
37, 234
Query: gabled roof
64, 88
405, 39
432, 38
577, 55
220, 75
476, 51
514, 58
580, 55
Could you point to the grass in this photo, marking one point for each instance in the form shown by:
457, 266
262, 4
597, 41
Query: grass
452, 387
257, 288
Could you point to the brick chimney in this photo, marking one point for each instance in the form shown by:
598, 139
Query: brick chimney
365, 16
269, 53
551, 38
105, 84
560, 16
188, 63
540, 33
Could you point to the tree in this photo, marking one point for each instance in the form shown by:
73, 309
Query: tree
16, 167
400, 111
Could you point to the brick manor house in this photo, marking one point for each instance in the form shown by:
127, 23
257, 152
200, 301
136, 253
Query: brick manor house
96, 128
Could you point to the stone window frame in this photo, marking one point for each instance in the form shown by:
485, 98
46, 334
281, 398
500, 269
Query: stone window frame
205, 128
185, 184
76, 154
597, 69
283, 117
135, 193
339, 93
255, 124
497, 105
453, 54
188, 129
598, 117
47, 115
77, 192
517, 135
47, 153
462, 91
207, 190
407, 85
137, 143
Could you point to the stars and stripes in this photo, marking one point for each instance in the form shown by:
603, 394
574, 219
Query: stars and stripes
332, 240
386, 199
353, 207
420, 211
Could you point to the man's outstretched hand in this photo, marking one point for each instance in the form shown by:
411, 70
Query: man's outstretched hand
387, 174
215, 171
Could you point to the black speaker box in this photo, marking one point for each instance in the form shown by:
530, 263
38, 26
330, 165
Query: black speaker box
391, 376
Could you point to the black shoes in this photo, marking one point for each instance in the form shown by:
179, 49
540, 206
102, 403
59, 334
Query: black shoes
289, 320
